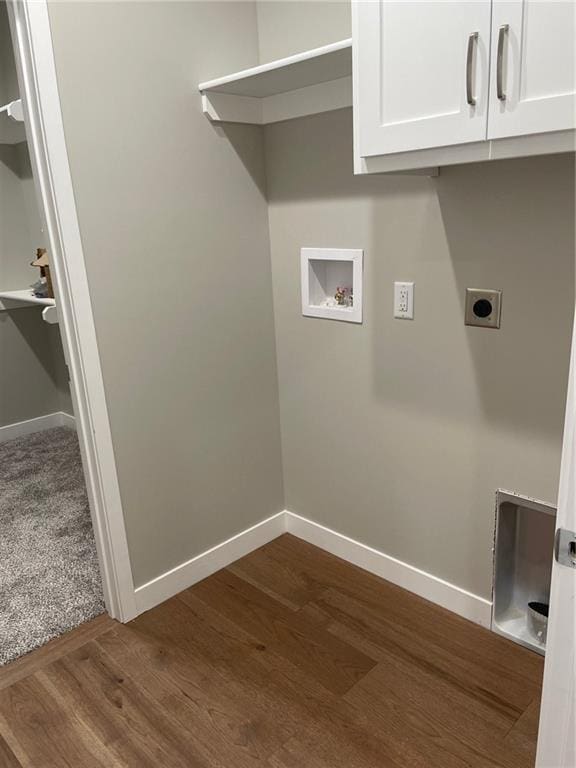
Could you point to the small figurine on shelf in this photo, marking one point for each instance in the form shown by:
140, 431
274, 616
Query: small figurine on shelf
343, 297
43, 287
340, 296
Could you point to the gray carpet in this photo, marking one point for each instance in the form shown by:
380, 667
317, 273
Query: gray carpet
49, 577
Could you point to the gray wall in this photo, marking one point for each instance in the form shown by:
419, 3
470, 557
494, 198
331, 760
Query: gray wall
32, 372
8, 78
288, 26
174, 226
27, 385
33, 379
398, 433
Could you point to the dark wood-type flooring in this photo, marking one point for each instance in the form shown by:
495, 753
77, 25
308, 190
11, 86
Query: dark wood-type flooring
290, 658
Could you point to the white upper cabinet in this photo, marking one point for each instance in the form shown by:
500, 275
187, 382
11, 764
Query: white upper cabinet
453, 81
533, 67
422, 73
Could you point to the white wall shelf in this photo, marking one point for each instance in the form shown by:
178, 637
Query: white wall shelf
522, 565
12, 123
307, 83
25, 298
324, 271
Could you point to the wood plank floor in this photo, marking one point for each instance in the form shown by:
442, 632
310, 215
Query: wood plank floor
290, 658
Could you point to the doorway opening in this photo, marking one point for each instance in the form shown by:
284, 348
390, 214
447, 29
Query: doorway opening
49, 572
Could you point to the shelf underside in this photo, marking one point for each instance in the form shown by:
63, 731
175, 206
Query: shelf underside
308, 83
25, 298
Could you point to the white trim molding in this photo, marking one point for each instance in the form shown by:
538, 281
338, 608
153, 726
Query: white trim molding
38, 424
321, 273
67, 420
556, 734
32, 40
192, 571
438, 591
432, 588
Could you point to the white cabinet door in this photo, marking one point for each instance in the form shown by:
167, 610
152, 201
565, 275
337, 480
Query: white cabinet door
533, 67
557, 734
421, 73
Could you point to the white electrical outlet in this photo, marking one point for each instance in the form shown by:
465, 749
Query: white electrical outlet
404, 301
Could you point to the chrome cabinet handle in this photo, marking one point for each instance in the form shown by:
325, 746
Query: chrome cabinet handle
472, 39
502, 32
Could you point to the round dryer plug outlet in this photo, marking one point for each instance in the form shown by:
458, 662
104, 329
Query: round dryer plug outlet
483, 307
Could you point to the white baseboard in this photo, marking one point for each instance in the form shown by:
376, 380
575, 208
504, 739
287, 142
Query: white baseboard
40, 423
438, 591
185, 575
67, 420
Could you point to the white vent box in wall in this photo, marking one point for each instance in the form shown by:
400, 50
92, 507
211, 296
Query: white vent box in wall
524, 545
332, 283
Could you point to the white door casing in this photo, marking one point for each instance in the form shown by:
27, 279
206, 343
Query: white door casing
30, 28
557, 733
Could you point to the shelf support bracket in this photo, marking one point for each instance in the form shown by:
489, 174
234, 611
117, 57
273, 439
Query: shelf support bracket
229, 108
50, 315
311, 100
14, 111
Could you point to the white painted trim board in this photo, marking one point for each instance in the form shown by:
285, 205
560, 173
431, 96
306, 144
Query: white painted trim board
432, 588
32, 39
470, 606
192, 571
38, 424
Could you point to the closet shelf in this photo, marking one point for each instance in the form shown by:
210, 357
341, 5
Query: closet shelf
22, 298
12, 123
307, 83
26, 298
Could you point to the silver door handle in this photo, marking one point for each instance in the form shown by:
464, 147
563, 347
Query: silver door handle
502, 32
565, 547
472, 39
